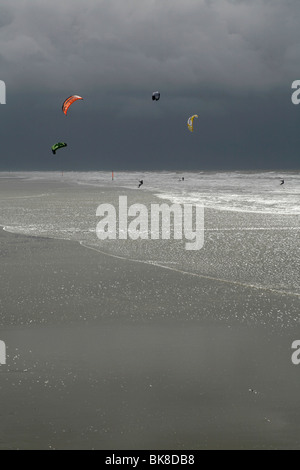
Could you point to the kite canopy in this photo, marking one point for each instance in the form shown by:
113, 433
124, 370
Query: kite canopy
155, 96
57, 146
190, 122
67, 103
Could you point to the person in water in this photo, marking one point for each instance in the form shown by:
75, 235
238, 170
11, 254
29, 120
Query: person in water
282, 182
141, 183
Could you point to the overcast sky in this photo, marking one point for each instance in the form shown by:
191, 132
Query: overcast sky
232, 62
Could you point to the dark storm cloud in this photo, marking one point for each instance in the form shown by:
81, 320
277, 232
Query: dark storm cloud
213, 57
125, 43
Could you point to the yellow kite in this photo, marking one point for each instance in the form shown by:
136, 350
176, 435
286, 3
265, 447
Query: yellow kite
190, 122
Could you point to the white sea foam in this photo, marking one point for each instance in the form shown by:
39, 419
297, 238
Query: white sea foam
227, 191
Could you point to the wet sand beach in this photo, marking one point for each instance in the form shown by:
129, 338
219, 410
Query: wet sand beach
103, 354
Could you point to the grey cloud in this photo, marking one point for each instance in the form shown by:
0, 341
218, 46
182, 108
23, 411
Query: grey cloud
228, 44
6, 16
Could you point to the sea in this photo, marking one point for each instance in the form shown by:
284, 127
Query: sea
251, 225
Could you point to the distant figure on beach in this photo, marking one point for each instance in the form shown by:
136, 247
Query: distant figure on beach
282, 182
141, 183
181, 179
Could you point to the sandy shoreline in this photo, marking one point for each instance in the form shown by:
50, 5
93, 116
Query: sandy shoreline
130, 359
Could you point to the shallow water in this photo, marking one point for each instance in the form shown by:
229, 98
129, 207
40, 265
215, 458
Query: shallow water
251, 223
